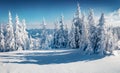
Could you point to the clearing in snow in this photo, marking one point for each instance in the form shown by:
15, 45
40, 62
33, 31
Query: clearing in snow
57, 61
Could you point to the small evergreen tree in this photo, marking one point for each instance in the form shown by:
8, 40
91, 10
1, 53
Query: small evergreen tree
31, 44
55, 36
2, 41
112, 40
66, 36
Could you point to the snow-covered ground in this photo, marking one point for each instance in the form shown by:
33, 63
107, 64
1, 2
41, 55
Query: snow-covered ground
57, 61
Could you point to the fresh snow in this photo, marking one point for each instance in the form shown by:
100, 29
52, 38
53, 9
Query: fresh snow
58, 61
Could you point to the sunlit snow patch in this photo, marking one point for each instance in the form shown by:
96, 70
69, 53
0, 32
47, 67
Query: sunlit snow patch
115, 53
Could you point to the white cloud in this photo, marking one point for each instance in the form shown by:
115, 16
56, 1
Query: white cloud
113, 18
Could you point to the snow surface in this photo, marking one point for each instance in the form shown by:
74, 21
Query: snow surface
58, 61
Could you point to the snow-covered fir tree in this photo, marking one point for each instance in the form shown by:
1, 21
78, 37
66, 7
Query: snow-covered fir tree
79, 24
9, 36
25, 35
55, 42
115, 41
84, 40
112, 40
50, 41
62, 34
2, 39
66, 36
72, 37
61, 39
44, 40
19, 44
36, 43
31, 43
78, 27
92, 31
101, 37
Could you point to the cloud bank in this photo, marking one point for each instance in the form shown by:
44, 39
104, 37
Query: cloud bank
113, 18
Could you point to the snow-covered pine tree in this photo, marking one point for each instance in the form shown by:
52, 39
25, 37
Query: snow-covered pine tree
115, 41
18, 34
50, 41
112, 40
31, 44
66, 36
36, 43
9, 36
110, 44
72, 37
60, 37
101, 37
78, 12
92, 31
55, 42
2, 41
77, 38
56, 25
61, 34
79, 29
25, 33
85, 44
44, 40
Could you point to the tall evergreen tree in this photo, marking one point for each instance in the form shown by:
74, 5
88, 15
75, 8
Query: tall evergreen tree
9, 36
25, 33
18, 34
84, 40
80, 32
72, 37
44, 40
61, 34
92, 31
60, 37
78, 27
101, 36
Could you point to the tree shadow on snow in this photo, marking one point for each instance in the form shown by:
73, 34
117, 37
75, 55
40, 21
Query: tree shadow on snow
51, 57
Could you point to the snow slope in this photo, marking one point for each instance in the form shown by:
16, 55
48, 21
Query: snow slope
57, 61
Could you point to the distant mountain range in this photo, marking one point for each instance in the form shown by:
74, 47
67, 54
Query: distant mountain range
36, 33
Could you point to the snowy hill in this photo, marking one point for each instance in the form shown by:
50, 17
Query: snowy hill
57, 61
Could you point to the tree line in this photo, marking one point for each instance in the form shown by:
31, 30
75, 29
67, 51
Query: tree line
85, 34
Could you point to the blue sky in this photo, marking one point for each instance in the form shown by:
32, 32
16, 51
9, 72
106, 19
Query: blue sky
34, 10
